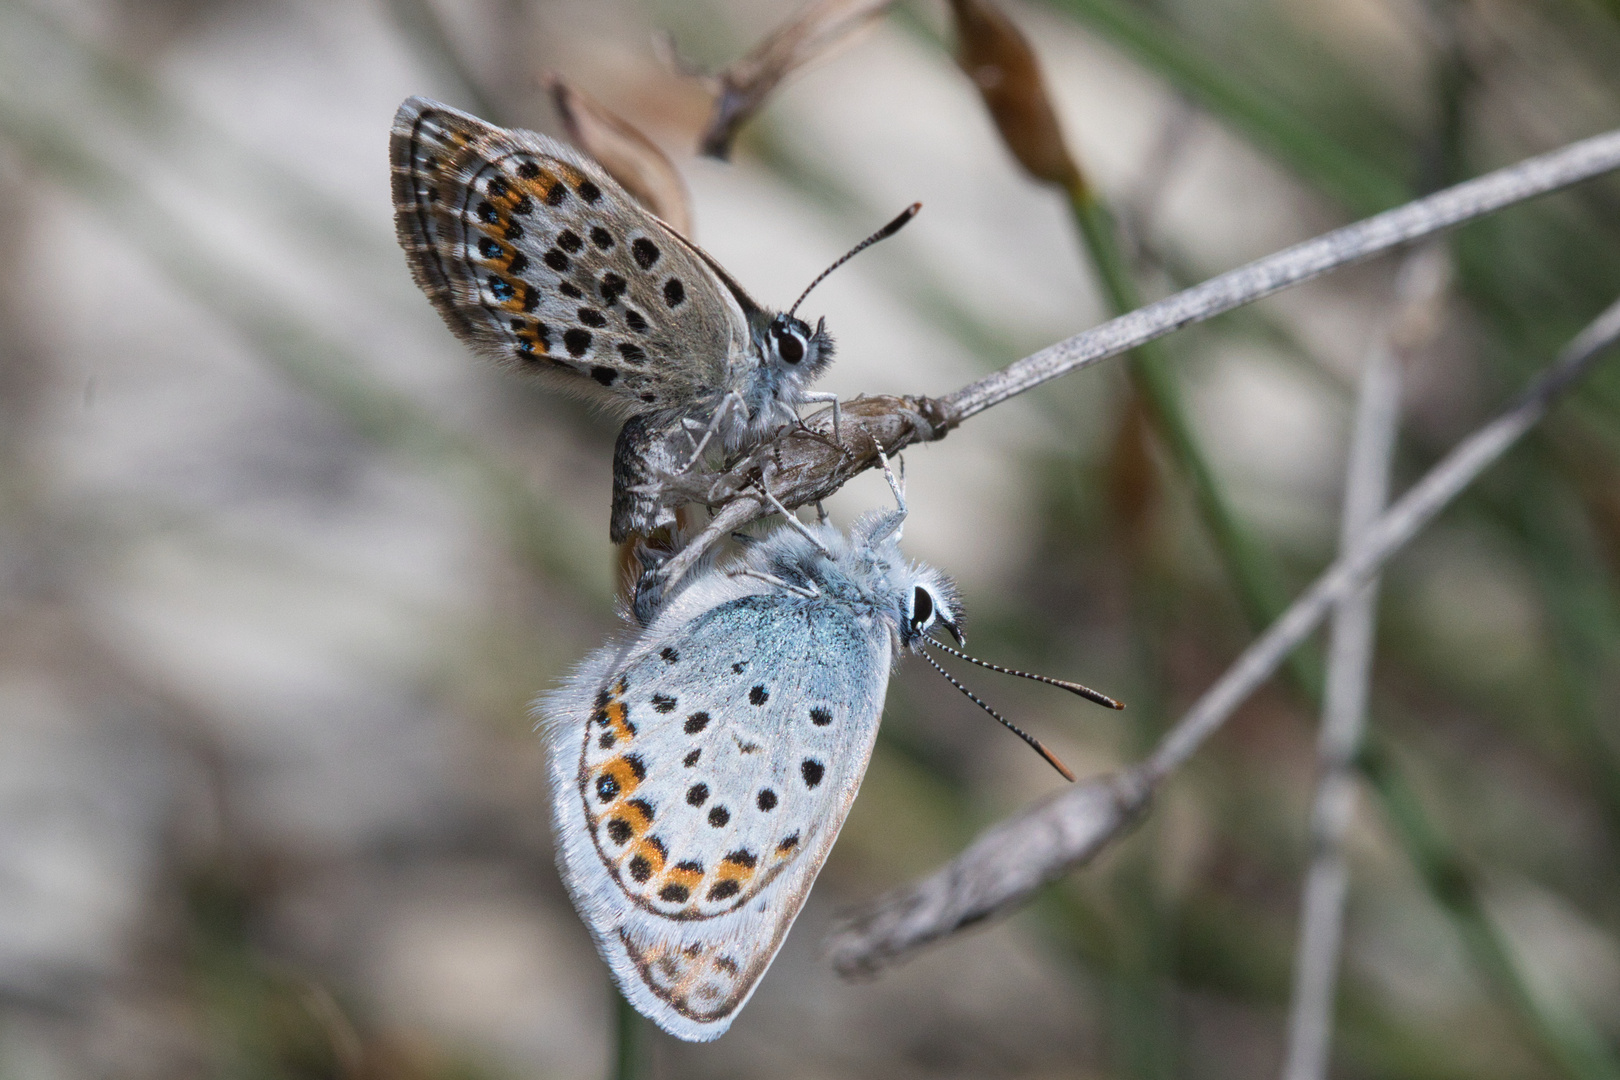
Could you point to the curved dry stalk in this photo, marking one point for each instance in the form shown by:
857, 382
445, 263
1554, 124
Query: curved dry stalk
807, 464
1008, 862
1419, 292
621, 148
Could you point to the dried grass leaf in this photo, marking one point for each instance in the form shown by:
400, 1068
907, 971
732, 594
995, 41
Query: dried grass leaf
745, 85
628, 156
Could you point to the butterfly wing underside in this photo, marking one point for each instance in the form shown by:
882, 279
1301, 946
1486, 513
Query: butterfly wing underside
535, 257
699, 783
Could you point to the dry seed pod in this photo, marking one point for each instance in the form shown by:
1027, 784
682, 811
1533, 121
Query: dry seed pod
745, 85
997, 57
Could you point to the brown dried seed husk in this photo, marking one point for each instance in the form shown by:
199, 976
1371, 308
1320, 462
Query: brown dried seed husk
744, 86
997, 57
629, 157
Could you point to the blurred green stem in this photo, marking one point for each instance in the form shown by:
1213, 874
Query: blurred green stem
630, 1043
1292, 138
1567, 1038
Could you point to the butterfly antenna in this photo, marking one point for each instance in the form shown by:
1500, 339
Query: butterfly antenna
1035, 744
1072, 687
882, 234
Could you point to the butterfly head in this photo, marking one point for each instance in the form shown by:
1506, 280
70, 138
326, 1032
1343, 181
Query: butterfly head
795, 352
927, 599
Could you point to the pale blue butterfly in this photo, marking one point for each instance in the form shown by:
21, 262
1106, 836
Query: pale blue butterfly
702, 767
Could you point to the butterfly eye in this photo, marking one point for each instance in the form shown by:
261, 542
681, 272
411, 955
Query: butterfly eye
922, 607
789, 346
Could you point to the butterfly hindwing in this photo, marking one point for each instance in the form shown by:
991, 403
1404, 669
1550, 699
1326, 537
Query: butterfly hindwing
700, 780
536, 257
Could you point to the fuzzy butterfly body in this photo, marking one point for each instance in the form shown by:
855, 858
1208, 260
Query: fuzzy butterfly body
702, 769
537, 258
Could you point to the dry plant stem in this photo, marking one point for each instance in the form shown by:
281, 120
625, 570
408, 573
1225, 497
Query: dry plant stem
1422, 217
1000, 869
1316, 959
807, 465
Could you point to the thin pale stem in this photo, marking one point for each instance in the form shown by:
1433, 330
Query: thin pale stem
1422, 217
1372, 446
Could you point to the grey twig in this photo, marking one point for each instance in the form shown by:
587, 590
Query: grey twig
1302, 262
808, 465
1007, 863
1419, 288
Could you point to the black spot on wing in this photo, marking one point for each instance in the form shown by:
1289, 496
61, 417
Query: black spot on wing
569, 241
645, 252
697, 794
577, 341
556, 260
663, 703
812, 771
719, 816
603, 375
601, 238
674, 293
696, 722
758, 695
766, 799
589, 192
692, 759
820, 717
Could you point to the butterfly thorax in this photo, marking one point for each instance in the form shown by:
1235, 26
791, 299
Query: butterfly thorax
786, 356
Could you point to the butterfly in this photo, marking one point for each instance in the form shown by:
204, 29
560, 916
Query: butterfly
702, 767
536, 257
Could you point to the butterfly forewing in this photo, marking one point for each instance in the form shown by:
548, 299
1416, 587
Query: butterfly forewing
700, 790
537, 258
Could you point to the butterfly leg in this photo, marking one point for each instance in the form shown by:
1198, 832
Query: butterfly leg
895, 485
838, 436
792, 519
727, 403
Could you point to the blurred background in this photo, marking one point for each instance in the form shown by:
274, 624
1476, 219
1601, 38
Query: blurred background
281, 565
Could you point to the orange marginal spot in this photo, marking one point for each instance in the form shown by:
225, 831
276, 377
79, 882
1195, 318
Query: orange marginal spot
685, 877
618, 721
653, 852
636, 812
733, 868
626, 771
613, 715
